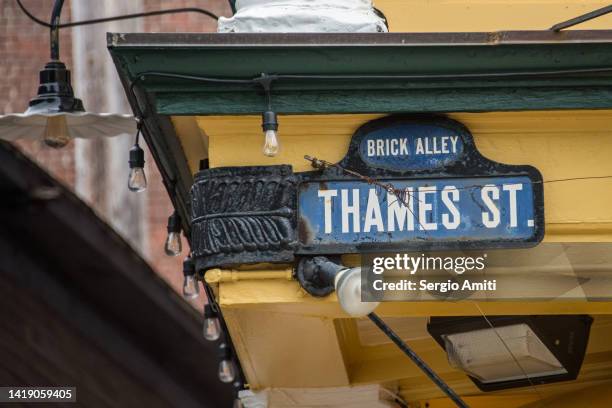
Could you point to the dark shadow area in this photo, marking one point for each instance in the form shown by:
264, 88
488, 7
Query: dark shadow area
79, 307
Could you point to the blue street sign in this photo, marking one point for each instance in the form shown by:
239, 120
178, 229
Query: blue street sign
469, 209
410, 146
452, 196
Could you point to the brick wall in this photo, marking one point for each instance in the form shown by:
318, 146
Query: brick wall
24, 47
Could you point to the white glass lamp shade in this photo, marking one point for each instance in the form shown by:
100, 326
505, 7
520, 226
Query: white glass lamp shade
87, 125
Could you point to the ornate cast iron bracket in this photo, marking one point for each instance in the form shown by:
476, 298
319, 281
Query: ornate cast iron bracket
243, 215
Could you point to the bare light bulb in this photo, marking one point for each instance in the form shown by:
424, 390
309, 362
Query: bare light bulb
191, 289
271, 146
227, 368
212, 329
56, 132
227, 371
348, 288
212, 326
269, 124
173, 246
137, 180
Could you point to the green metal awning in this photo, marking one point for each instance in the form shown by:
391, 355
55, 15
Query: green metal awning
377, 72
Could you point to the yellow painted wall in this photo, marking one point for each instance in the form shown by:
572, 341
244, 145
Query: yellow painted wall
486, 15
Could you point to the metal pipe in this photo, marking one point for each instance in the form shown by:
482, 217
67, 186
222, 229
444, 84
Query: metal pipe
219, 275
54, 31
417, 360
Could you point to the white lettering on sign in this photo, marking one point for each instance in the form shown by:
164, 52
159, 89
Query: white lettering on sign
436, 145
397, 211
512, 189
427, 208
450, 195
426, 145
327, 207
388, 147
489, 193
373, 217
350, 210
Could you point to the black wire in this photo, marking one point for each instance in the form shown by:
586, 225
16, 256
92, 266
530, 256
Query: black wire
269, 99
32, 17
138, 130
265, 79
116, 18
581, 19
451, 76
417, 360
143, 75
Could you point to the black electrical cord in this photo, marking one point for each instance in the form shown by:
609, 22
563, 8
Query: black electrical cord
265, 79
116, 18
581, 19
417, 360
142, 76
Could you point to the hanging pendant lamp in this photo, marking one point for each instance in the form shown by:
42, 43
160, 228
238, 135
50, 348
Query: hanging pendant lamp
54, 115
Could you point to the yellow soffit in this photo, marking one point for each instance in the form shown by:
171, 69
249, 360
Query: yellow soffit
486, 15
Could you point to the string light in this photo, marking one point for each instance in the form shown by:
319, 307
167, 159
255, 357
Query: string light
191, 289
227, 368
270, 127
269, 121
212, 326
137, 180
173, 245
